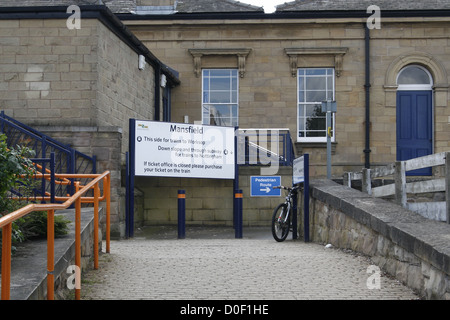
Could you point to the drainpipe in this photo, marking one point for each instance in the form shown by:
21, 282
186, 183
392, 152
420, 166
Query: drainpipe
367, 88
157, 92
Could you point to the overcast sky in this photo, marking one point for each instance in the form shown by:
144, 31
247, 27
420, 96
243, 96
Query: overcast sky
269, 5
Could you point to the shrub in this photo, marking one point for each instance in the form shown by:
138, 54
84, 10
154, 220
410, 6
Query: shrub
16, 170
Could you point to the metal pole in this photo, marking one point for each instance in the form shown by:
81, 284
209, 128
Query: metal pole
131, 164
77, 246
306, 200
328, 144
294, 215
447, 186
238, 200
96, 219
127, 195
50, 254
52, 177
181, 214
6, 261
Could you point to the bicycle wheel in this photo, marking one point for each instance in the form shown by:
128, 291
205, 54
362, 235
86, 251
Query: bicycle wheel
280, 228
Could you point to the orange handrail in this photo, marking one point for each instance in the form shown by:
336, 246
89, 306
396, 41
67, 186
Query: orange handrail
7, 220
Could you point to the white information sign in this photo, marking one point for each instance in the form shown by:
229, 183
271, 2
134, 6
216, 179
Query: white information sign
166, 149
298, 171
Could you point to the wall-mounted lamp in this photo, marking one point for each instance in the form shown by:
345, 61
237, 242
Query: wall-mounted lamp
163, 81
141, 62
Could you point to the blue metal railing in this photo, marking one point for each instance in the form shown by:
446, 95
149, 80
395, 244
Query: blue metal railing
264, 146
65, 158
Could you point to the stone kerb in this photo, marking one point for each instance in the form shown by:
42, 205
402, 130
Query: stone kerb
408, 246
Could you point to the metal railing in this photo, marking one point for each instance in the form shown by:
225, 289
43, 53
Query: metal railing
265, 146
66, 159
77, 198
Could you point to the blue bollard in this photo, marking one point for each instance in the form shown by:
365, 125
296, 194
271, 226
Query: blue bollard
238, 203
181, 214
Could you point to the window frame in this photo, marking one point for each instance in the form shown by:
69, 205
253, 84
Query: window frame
406, 87
303, 117
233, 76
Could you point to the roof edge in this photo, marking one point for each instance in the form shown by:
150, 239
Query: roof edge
329, 14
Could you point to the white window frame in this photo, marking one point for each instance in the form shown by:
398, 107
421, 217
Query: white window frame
206, 105
415, 87
299, 104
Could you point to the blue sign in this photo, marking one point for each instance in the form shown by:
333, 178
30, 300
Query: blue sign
261, 186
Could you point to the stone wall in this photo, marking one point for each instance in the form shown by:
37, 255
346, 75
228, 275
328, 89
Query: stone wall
402, 243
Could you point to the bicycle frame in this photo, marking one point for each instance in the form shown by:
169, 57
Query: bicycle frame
288, 199
282, 225
288, 206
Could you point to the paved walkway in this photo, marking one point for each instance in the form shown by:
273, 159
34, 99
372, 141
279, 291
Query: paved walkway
211, 264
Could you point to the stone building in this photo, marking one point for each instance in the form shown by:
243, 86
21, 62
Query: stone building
385, 66
80, 85
385, 63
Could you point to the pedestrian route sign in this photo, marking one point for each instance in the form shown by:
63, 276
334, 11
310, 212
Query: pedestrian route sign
262, 186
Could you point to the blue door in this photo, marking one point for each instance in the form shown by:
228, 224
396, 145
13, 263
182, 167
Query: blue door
414, 127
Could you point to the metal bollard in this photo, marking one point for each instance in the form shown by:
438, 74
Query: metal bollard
238, 204
181, 214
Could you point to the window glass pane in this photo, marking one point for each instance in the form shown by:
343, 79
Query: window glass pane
315, 134
301, 83
330, 83
220, 97
301, 124
330, 95
205, 84
316, 96
234, 111
316, 72
234, 97
234, 83
316, 83
219, 73
413, 75
301, 96
314, 111
220, 83
316, 124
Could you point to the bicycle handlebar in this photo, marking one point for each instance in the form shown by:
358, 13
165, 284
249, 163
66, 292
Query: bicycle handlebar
286, 188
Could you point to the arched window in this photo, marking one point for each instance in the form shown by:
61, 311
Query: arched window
414, 77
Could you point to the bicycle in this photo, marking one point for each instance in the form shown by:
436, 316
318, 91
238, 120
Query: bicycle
281, 219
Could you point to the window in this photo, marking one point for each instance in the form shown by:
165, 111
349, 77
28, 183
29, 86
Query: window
414, 78
220, 97
314, 86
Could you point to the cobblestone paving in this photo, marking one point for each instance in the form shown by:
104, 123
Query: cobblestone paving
220, 267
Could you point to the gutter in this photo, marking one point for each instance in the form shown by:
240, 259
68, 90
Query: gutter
367, 89
283, 15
